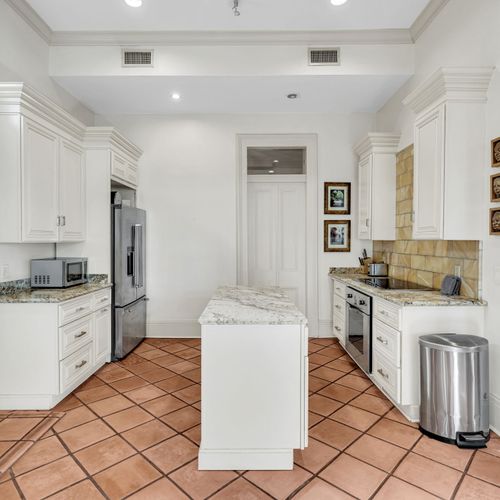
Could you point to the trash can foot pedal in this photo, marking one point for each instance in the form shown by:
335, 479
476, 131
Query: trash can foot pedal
472, 440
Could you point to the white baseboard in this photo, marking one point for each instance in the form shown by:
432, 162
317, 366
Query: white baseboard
495, 413
178, 328
249, 459
325, 328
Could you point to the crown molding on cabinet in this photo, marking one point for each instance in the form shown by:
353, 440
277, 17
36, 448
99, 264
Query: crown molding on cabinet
24, 10
451, 84
17, 97
378, 142
105, 137
424, 20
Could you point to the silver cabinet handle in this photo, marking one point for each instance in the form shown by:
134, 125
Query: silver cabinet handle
79, 309
58, 220
81, 364
367, 222
104, 299
105, 310
338, 307
63, 220
337, 328
382, 340
382, 373
81, 334
383, 313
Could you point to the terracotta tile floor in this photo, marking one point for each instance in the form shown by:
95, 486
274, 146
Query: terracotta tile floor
133, 429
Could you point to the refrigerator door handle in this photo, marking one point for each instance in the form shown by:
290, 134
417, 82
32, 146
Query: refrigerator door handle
138, 257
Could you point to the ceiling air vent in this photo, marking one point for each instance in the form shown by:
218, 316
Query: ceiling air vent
137, 58
324, 57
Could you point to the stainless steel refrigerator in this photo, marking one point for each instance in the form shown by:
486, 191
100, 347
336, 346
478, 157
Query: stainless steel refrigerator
128, 267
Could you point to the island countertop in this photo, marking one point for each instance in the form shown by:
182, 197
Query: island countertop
240, 305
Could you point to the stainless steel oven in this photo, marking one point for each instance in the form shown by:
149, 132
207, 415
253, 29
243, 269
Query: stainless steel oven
359, 328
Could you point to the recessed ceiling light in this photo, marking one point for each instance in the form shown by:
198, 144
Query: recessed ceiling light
133, 3
292, 96
271, 171
176, 96
337, 3
276, 162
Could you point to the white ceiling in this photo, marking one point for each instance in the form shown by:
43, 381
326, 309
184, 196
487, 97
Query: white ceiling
207, 15
152, 94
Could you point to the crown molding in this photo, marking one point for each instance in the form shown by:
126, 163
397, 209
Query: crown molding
109, 137
17, 97
131, 38
30, 16
378, 142
424, 20
451, 84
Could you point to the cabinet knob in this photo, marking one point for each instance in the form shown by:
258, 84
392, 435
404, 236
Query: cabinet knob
349, 295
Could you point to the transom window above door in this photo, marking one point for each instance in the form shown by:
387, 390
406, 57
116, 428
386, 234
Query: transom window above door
276, 161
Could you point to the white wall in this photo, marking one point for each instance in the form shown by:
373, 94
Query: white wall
187, 184
24, 56
464, 34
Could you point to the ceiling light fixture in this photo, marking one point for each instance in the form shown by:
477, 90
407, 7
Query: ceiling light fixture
134, 3
271, 171
293, 95
176, 96
338, 3
236, 10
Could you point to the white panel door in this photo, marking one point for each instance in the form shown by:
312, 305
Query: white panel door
277, 237
71, 192
365, 198
39, 183
428, 195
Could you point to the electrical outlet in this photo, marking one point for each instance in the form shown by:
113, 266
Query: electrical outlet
4, 272
458, 271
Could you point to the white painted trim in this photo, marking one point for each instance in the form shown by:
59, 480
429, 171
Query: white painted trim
424, 20
106, 137
150, 38
175, 328
495, 413
310, 142
467, 84
325, 329
376, 142
31, 17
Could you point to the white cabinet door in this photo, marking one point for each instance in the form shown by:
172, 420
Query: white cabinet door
365, 198
102, 331
428, 196
72, 206
39, 183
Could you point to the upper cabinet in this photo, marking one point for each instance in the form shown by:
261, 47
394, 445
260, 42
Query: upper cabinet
377, 186
42, 169
449, 153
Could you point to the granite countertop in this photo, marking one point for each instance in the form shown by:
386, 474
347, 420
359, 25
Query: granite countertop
402, 297
47, 295
239, 305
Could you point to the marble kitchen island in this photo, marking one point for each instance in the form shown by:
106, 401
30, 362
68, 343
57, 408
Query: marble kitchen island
253, 379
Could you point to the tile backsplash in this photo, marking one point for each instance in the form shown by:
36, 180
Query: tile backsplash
422, 261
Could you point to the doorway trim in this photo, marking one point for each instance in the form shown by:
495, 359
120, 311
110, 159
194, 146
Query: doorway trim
310, 143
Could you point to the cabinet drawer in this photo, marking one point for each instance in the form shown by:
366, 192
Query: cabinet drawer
101, 299
387, 341
387, 376
339, 288
75, 309
388, 313
76, 366
74, 335
339, 306
339, 327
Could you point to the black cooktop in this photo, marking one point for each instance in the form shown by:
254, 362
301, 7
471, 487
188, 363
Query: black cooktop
392, 284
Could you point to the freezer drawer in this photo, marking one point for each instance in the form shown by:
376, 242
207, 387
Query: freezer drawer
130, 327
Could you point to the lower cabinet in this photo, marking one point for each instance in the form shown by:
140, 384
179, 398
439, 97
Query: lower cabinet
49, 349
339, 308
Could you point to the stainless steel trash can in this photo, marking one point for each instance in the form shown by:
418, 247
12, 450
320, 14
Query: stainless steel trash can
454, 389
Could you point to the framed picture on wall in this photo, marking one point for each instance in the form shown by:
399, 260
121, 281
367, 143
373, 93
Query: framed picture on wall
495, 221
337, 198
495, 188
495, 152
337, 236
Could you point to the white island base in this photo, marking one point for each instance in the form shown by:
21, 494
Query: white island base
254, 385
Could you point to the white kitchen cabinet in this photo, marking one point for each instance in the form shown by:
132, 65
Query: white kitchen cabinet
102, 337
339, 311
55, 348
39, 173
42, 193
377, 186
448, 147
72, 196
123, 170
